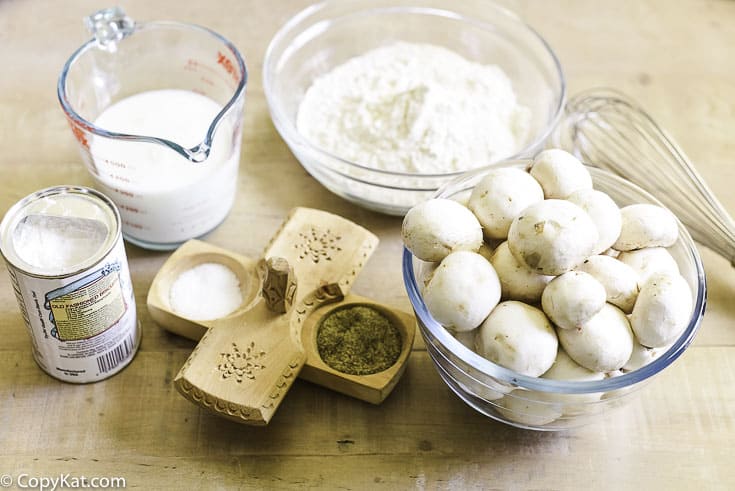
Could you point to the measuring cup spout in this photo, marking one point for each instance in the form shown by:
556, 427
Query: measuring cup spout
199, 153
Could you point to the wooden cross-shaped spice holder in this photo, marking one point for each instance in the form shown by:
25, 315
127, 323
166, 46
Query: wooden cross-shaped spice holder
246, 361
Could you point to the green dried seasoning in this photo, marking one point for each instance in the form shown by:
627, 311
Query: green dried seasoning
358, 340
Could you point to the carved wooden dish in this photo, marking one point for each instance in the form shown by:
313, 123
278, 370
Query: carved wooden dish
189, 255
263, 345
372, 388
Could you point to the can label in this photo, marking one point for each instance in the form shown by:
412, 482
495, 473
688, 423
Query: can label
83, 327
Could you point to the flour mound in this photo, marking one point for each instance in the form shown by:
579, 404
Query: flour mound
414, 108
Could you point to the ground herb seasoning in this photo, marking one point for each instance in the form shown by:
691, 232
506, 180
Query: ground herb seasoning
358, 340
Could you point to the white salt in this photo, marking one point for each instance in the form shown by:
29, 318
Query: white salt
57, 244
204, 292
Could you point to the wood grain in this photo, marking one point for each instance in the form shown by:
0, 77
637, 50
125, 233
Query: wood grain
373, 387
258, 352
674, 57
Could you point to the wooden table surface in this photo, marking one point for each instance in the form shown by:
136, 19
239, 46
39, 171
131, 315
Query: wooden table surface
675, 57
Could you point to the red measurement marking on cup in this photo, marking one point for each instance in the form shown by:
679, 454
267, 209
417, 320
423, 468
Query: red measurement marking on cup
128, 208
228, 66
196, 66
120, 178
123, 192
79, 135
133, 225
193, 65
115, 163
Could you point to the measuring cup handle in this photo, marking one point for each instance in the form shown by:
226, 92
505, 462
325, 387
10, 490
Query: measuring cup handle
109, 26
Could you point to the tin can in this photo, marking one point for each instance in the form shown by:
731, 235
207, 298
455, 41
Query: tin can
64, 251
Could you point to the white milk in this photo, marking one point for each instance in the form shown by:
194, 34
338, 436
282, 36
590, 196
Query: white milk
164, 198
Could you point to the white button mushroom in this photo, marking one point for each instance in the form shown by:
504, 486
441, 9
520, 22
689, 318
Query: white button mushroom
424, 272
613, 398
643, 355
519, 337
486, 250
467, 338
564, 368
614, 373
646, 225
611, 252
604, 213
489, 390
517, 282
619, 280
500, 197
650, 261
528, 408
559, 173
603, 344
552, 236
572, 299
462, 291
433, 229
662, 310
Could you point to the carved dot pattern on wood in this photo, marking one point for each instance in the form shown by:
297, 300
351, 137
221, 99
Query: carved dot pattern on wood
317, 245
241, 364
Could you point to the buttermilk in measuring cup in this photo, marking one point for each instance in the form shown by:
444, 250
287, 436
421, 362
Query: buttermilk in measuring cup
163, 197
64, 251
157, 108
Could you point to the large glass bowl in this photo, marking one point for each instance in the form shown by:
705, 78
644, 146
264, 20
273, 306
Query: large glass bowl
538, 403
328, 34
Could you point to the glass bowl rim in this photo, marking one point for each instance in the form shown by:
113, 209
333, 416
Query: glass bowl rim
292, 135
429, 326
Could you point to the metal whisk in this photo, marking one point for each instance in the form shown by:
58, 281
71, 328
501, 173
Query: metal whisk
606, 128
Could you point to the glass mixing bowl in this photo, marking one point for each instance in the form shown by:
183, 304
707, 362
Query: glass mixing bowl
327, 34
538, 403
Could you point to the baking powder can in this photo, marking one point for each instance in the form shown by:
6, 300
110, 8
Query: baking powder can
64, 251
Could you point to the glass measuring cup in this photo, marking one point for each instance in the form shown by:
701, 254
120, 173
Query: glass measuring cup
171, 167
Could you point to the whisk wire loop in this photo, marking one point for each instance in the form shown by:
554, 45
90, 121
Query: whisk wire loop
607, 129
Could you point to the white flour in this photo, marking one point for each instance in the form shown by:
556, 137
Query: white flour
415, 108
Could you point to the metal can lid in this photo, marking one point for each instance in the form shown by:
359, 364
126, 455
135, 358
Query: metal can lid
59, 231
